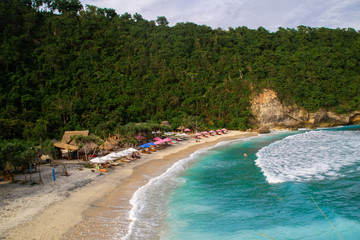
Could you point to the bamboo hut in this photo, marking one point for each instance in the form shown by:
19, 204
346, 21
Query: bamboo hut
66, 145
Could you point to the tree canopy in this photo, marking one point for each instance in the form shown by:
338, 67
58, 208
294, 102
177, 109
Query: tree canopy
68, 67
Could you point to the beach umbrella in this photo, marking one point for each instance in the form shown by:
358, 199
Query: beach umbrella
212, 131
187, 130
197, 134
224, 129
145, 146
159, 142
151, 144
218, 130
205, 132
167, 139
139, 137
157, 139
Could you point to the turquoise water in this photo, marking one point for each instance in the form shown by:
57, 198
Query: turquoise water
272, 193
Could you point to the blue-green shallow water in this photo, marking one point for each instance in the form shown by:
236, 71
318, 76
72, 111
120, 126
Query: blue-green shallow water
226, 195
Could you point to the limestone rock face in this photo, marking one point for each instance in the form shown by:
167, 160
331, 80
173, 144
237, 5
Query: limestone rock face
269, 112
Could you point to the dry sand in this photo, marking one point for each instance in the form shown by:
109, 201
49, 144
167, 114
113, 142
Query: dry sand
80, 206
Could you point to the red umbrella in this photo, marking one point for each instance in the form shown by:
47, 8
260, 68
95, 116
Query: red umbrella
140, 137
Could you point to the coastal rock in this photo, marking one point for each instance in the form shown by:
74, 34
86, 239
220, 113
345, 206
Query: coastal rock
270, 112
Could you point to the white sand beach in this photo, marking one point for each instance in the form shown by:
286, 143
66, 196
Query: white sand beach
72, 207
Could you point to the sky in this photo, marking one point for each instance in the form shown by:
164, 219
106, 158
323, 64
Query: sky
270, 14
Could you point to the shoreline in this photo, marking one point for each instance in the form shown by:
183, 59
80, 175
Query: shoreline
83, 213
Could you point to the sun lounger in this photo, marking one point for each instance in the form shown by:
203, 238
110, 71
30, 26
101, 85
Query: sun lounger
125, 160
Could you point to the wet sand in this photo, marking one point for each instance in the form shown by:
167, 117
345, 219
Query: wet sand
100, 209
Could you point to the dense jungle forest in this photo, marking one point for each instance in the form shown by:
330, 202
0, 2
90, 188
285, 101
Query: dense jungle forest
64, 66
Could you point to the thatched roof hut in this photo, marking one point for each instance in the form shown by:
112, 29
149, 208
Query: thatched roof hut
68, 134
181, 128
107, 146
165, 123
65, 146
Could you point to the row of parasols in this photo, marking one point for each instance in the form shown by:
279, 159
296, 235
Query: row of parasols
219, 131
115, 155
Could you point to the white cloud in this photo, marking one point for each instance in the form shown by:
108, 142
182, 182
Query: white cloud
270, 14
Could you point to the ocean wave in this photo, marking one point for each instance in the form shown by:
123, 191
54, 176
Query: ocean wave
315, 155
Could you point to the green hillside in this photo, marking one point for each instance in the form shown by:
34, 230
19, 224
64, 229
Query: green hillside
68, 67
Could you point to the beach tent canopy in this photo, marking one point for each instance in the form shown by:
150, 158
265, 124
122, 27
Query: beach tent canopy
132, 150
113, 154
97, 160
121, 154
108, 158
187, 130
145, 146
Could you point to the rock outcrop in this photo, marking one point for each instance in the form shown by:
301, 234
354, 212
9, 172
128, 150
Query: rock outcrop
269, 112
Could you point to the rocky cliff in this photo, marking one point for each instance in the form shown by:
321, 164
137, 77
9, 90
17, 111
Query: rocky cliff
269, 112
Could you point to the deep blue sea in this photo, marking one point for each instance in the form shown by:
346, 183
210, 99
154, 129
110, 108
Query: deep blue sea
291, 185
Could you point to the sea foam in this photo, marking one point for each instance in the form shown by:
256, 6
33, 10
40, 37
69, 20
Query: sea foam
315, 155
149, 201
